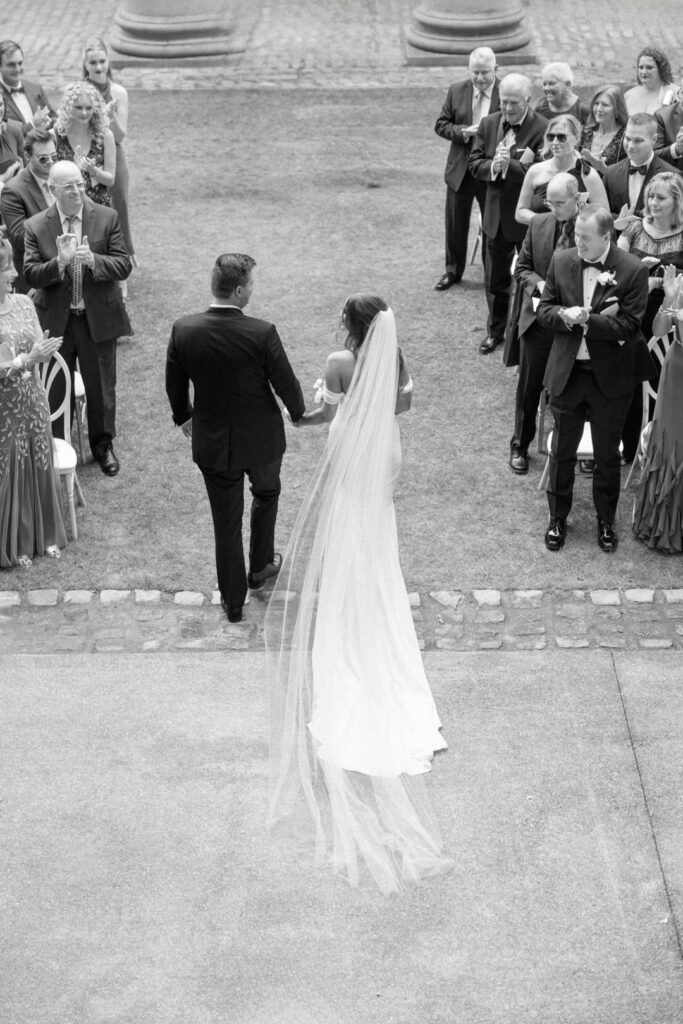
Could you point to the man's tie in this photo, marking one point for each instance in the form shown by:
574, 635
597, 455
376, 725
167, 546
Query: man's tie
507, 127
597, 264
477, 107
565, 239
76, 272
640, 169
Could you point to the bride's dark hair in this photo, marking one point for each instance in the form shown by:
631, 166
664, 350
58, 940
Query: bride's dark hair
358, 313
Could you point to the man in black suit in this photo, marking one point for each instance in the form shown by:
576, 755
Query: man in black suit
234, 361
506, 144
625, 181
594, 300
27, 194
74, 257
22, 98
466, 103
546, 233
669, 138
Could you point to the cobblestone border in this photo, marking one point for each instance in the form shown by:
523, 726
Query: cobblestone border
90, 621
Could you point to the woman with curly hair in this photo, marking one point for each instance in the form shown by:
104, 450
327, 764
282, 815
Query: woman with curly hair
84, 137
654, 83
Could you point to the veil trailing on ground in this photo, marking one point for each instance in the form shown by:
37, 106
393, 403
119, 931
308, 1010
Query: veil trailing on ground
353, 724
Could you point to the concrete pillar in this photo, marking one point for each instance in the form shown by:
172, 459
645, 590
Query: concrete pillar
173, 29
446, 31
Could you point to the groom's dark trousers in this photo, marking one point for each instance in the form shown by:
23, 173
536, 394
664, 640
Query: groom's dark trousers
234, 363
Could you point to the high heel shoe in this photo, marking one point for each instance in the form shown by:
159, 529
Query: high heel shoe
53, 551
24, 561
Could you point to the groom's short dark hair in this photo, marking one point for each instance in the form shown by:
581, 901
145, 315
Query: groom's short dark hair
230, 270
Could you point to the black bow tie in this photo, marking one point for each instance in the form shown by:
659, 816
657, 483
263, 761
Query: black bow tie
507, 127
597, 264
16, 88
641, 169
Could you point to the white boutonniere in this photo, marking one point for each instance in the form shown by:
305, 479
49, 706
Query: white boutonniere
607, 277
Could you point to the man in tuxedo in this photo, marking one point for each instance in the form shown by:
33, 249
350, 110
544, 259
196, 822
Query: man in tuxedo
27, 194
233, 362
22, 98
594, 300
74, 257
546, 233
625, 181
466, 103
669, 137
506, 144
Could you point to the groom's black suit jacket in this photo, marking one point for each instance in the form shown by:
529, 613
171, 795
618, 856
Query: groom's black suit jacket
232, 360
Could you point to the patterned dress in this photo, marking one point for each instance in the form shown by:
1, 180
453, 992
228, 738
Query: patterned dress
95, 190
30, 514
119, 190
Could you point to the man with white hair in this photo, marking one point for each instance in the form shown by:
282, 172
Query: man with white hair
505, 145
559, 97
466, 103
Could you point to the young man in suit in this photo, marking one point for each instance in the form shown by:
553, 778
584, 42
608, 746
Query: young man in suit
22, 98
593, 301
27, 194
505, 145
234, 362
625, 181
466, 103
74, 257
669, 138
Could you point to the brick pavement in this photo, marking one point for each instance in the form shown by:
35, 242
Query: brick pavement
340, 44
45, 621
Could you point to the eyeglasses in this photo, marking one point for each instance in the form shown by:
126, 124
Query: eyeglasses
559, 136
553, 203
71, 186
48, 158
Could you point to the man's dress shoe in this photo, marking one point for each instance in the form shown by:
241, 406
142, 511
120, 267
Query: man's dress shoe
255, 580
555, 535
490, 345
109, 464
519, 460
233, 611
445, 282
607, 537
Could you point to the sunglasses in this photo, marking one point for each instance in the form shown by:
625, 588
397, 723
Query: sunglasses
50, 158
559, 136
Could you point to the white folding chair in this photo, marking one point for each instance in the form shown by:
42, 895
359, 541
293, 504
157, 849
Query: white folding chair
658, 348
478, 240
63, 454
79, 409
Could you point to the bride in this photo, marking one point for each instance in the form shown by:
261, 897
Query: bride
353, 722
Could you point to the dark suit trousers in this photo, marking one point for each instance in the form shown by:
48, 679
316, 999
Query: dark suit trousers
226, 497
498, 280
534, 349
458, 214
97, 363
582, 399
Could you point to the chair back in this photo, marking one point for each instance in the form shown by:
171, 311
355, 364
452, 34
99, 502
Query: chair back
49, 373
658, 348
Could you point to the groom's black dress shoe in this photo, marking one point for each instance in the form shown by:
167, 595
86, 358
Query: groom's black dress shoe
109, 464
233, 611
490, 345
255, 580
607, 537
519, 459
445, 282
556, 534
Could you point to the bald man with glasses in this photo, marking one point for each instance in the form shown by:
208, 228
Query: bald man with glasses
75, 257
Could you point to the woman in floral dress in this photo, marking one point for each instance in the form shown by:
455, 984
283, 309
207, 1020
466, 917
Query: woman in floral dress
84, 137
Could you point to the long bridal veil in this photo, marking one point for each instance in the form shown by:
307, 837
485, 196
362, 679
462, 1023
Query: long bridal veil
353, 723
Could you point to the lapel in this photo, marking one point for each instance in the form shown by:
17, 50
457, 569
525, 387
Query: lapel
576, 282
34, 190
495, 99
88, 217
600, 289
53, 224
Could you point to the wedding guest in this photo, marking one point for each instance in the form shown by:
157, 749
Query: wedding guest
658, 511
506, 144
602, 139
559, 97
84, 137
653, 91
354, 726
25, 101
625, 181
11, 147
547, 233
562, 137
27, 194
75, 256
234, 363
97, 71
30, 516
669, 137
465, 105
594, 300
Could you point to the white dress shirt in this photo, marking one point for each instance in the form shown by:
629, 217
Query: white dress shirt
635, 183
590, 280
21, 102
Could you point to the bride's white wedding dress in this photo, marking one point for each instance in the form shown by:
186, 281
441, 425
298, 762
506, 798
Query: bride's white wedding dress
354, 726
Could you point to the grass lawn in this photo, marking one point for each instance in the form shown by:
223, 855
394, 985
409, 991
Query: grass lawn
331, 193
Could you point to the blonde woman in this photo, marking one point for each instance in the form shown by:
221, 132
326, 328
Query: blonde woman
83, 136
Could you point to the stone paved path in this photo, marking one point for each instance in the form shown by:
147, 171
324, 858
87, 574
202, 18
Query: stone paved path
42, 621
343, 43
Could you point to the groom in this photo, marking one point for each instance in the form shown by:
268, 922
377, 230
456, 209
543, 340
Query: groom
236, 425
